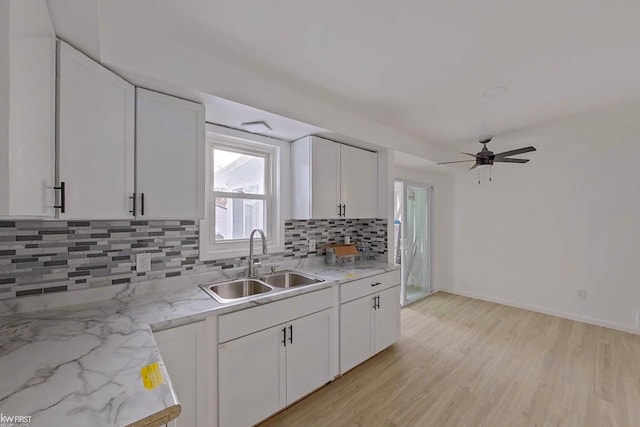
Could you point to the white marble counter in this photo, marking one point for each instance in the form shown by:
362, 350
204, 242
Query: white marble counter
80, 365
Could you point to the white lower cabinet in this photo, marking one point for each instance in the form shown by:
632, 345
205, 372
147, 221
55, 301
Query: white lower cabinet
356, 332
262, 372
183, 352
250, 375
308, 354
369, 319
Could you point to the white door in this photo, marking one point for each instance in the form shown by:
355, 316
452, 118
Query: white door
387, 318
95, 138
251, 377
414, 237
170, 134
309, 353
356, 332
325, 179
183, 352
358, 189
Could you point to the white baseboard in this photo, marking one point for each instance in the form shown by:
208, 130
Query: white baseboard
543, 310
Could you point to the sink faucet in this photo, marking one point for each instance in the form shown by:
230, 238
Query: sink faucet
264, 248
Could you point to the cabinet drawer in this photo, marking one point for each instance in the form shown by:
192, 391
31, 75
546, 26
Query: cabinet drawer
244, 322
359, 288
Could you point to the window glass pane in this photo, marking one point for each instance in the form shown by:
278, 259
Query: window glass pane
238, 173
235, 218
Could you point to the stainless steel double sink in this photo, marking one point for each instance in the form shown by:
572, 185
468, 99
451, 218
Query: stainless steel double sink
241, 289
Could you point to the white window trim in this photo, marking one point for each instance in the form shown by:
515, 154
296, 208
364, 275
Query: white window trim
279, 159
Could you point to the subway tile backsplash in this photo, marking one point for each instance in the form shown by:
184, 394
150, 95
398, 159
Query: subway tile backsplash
39, 257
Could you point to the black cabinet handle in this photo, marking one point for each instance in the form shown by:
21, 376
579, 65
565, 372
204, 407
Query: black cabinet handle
378, 303
62, 204
134, 204
376, 284
284, 336
339, 210
291, 334
344, 210
142, 204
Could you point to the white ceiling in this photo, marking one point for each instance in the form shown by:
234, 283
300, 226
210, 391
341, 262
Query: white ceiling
408, 161
417, 67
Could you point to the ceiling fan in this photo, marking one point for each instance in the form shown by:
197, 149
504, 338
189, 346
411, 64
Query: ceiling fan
487, 157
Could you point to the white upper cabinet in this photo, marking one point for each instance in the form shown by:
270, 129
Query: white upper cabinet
95, 139
27, 107
170, 155
331, 180
358, 182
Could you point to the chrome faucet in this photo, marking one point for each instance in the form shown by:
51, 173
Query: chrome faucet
264, 248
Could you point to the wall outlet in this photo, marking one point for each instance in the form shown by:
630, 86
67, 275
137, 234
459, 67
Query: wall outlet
312, 245
582, 294
143, 263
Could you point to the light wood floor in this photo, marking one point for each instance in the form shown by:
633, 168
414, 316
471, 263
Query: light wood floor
464, 362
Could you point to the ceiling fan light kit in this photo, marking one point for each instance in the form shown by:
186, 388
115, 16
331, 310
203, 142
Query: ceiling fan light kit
486, 157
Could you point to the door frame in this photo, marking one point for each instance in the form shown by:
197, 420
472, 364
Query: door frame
430, 188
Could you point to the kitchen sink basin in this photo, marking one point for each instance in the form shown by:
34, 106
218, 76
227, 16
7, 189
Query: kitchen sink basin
289, 279
236, 290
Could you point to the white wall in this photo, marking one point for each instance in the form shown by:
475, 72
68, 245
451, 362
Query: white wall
568, 220
442, 220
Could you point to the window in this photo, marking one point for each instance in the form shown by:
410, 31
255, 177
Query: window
242, 193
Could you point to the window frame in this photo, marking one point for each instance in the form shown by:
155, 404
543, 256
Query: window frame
275, 154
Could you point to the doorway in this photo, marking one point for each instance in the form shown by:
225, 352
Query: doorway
413, 237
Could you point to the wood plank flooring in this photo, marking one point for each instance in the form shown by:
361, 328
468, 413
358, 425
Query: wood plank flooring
465, 362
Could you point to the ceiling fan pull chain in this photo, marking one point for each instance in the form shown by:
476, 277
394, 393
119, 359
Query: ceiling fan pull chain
489, 173
478, 176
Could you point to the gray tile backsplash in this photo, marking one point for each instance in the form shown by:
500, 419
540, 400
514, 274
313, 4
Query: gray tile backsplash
51, 256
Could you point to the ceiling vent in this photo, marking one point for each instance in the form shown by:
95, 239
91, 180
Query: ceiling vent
259, 126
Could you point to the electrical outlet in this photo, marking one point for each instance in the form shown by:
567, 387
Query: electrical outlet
582, 294
143, 263
312, 245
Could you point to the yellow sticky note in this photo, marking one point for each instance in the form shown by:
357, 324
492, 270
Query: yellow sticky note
350, 275
151, 376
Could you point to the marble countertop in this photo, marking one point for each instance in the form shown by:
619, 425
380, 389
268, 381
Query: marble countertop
80, 365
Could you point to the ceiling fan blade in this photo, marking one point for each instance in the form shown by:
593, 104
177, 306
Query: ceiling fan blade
473, 167
511, 160
469, 154
515, 152
459, 161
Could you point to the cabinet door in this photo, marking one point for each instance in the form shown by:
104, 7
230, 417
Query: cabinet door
183, 352
359, 183
309, 349
325, 178
356, 332
95, 138
169, 156
31, 159
251, 377
387, 319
